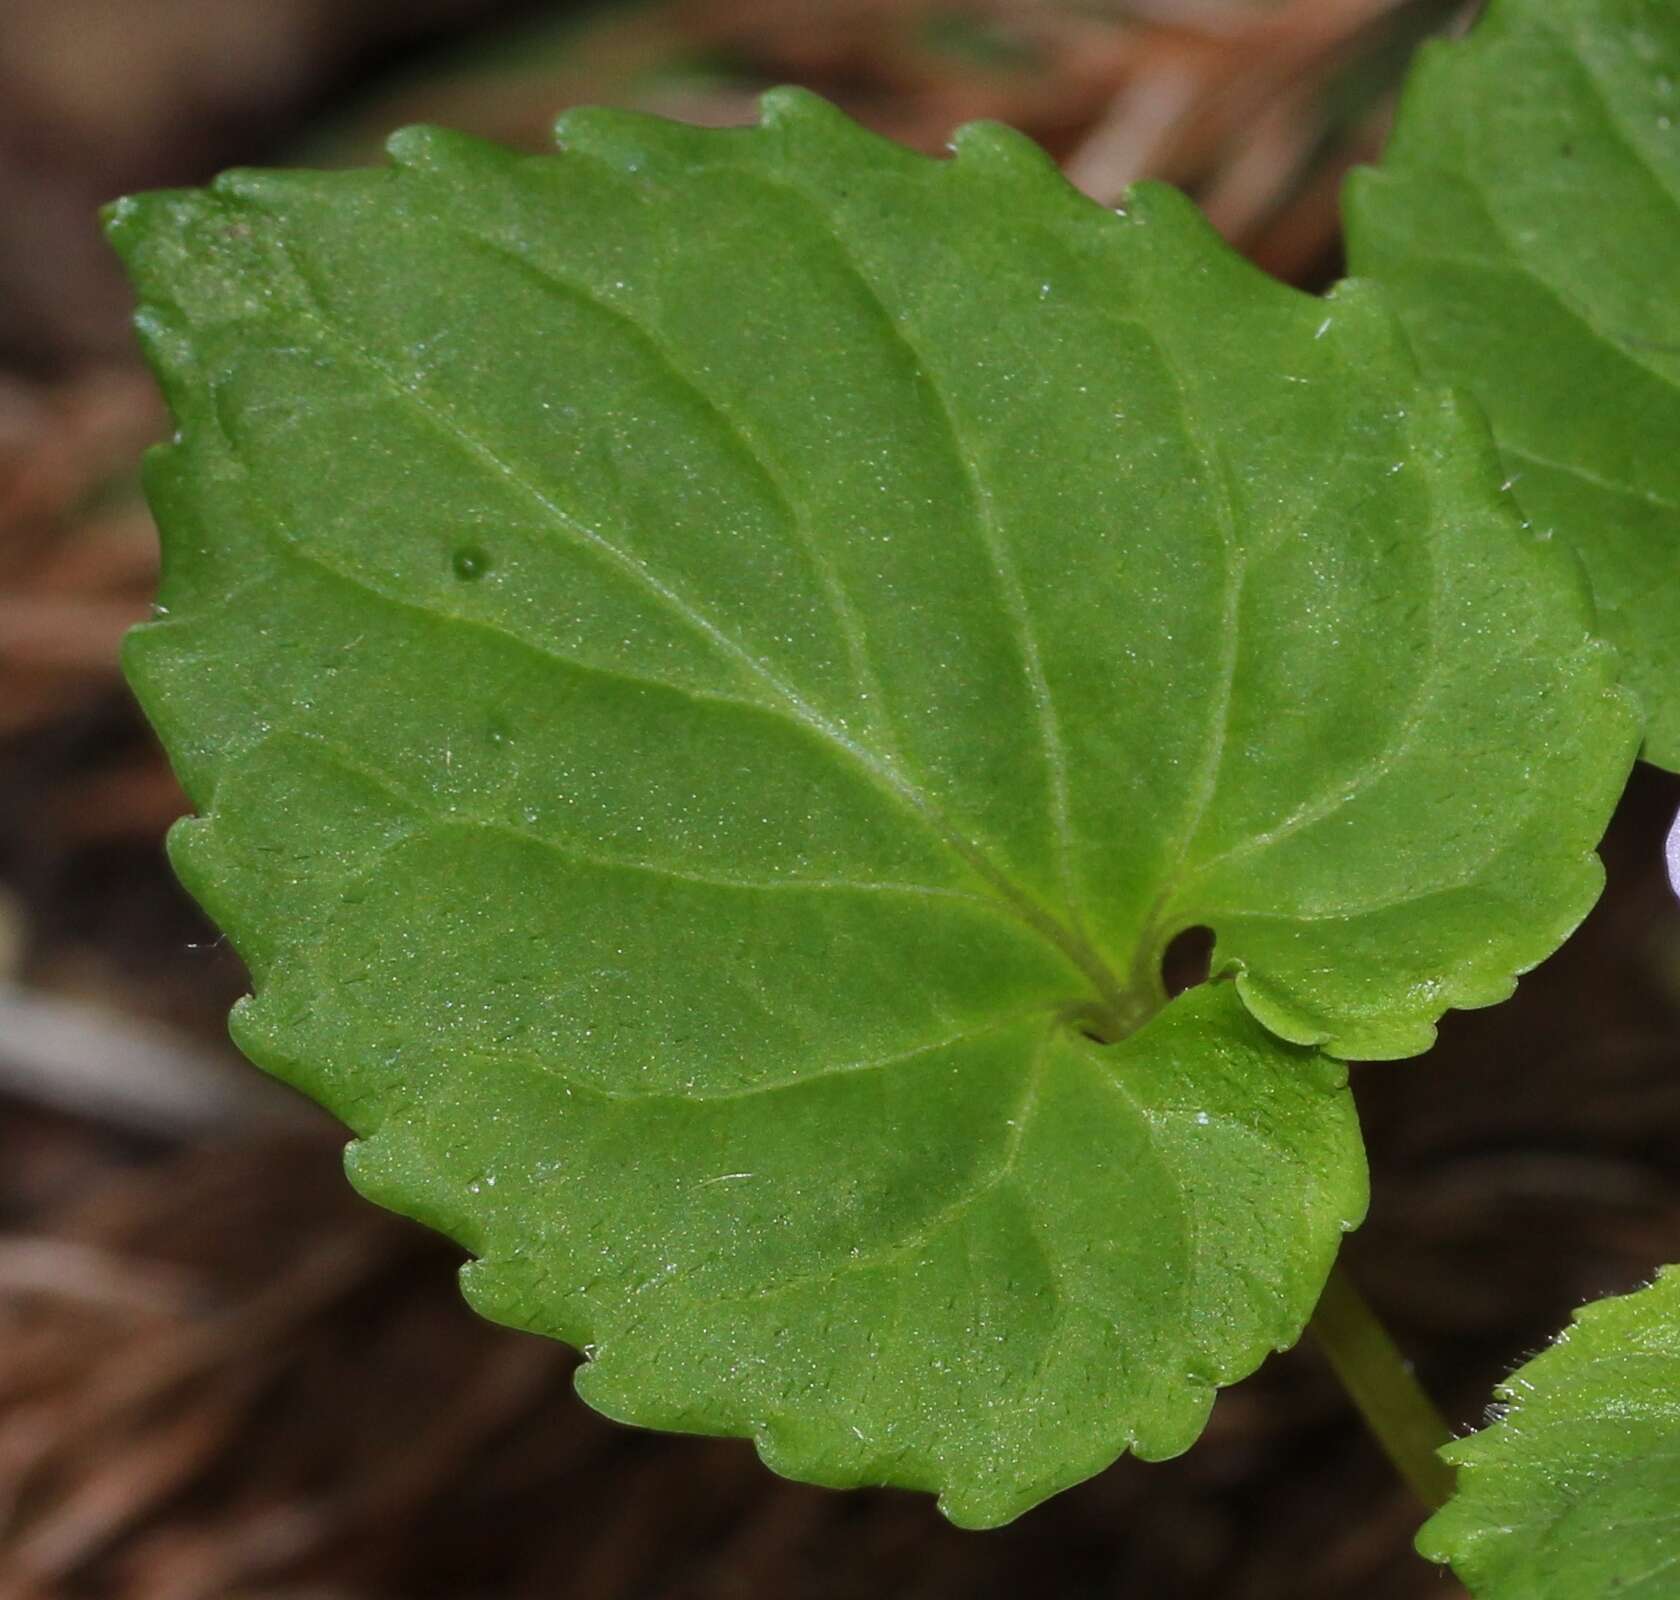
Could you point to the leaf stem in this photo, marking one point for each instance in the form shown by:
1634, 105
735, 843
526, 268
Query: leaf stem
1380, 1382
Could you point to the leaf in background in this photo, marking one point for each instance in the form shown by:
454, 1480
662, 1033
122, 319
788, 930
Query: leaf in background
1575, 1490
1526, 222
714, 663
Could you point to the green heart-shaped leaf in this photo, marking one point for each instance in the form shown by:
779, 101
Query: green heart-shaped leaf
1526, 222
1575, 1490
714, 666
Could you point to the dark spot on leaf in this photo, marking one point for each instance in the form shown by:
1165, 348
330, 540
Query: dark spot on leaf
1186, 960
471, 562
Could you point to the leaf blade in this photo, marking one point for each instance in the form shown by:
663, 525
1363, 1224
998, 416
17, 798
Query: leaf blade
1519, 218
1571, 1490
609, 714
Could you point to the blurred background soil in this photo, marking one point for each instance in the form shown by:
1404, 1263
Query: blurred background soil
220, 1373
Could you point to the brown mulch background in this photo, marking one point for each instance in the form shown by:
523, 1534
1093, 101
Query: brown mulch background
221, 1375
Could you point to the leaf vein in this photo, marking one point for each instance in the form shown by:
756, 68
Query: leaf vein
1627, 491
751, 449
985, 522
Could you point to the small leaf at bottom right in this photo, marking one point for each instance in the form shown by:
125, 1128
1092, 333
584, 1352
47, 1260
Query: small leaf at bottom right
1574, 1492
